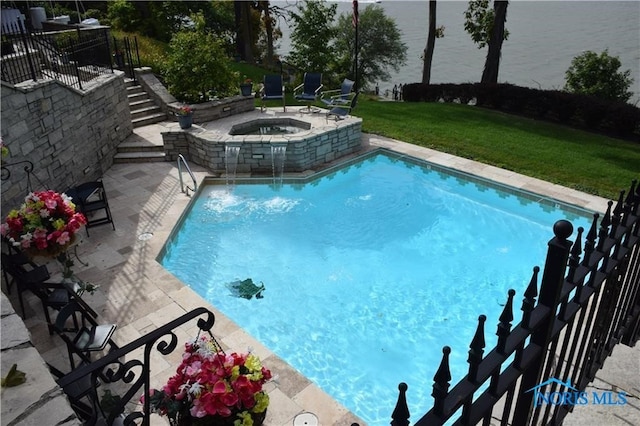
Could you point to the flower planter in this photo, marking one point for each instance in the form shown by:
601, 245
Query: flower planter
245, 89
185, 121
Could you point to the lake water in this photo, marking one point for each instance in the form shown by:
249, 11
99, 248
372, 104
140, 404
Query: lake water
544, 37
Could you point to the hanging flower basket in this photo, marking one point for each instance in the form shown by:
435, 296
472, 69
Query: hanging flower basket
213, 388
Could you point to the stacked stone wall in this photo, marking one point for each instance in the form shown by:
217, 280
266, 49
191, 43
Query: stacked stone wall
320, 146
69, 135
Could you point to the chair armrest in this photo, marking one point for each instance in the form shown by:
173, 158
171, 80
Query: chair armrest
318, 89
328, 92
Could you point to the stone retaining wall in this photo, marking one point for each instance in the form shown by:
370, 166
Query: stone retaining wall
69, 135
38, 401
321, 145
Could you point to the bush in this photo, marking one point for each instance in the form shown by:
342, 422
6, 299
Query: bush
197, 69
593, 75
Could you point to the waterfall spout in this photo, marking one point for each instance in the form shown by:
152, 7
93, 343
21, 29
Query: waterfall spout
278, 154
231, 153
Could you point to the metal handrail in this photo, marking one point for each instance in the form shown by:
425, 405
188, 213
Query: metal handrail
182, 160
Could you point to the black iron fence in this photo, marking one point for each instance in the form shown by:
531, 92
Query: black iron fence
71, 57
125, 379
126, 56
589, 301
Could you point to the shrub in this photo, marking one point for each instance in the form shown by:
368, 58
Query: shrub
197, 69
590, 74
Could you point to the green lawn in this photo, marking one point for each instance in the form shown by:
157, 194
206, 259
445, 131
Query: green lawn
587, 162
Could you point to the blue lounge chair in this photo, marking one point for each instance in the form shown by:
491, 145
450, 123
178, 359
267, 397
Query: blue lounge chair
309, 90
341, 111
339, 97
272, 89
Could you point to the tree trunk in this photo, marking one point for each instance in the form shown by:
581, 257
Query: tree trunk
492, 64
268, 25
246, 32
431, 43
237, 9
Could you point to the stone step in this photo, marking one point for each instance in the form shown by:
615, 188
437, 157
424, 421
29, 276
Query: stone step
143, 112
135, 89
135, 97
139, 157
142, 103
149, 119
139, 146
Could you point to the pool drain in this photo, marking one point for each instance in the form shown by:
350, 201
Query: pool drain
145, 236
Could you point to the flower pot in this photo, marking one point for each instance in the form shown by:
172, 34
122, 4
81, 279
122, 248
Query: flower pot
245, 89
185, 121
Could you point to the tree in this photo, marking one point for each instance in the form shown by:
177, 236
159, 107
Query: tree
479, 21
492, 64
431, 42
590, 74
380, 46
312, 35
198, 67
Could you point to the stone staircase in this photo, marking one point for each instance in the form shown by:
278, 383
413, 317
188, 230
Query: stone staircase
145, 144
144, 110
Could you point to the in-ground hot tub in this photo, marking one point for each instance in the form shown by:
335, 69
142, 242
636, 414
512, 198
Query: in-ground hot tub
292, 141
270, 126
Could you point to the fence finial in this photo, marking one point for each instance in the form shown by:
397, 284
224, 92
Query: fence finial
529, 301
476, 349
401, 413
441, 382
504, 326
590, 241
604, 227
574, 256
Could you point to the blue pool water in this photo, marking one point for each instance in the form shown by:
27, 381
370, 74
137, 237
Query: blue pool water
368, 271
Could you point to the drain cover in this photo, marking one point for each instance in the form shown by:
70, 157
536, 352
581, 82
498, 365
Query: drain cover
305, 419
145, 236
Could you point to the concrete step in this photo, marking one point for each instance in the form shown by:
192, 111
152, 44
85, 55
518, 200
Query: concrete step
135, 97
144, 112
142, 103
135, 89
139, 157
149, 119
139, 146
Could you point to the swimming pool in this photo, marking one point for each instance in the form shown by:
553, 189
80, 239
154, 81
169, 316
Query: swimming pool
368, 270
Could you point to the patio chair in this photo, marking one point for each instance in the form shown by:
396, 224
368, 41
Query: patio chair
339, 97
309, 91
342, 111
91, 199
89, 338
272, 89
52, 295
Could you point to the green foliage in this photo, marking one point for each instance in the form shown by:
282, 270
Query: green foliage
122, 15
479, 22
380, 46
153, 53
312, 36
599, 76
197, 69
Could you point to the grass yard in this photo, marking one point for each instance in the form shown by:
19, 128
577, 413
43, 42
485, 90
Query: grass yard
584, 161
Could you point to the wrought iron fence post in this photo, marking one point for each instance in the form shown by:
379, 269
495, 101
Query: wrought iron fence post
401, 413
552, 280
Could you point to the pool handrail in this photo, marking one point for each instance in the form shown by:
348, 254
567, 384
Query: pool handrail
182, 160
